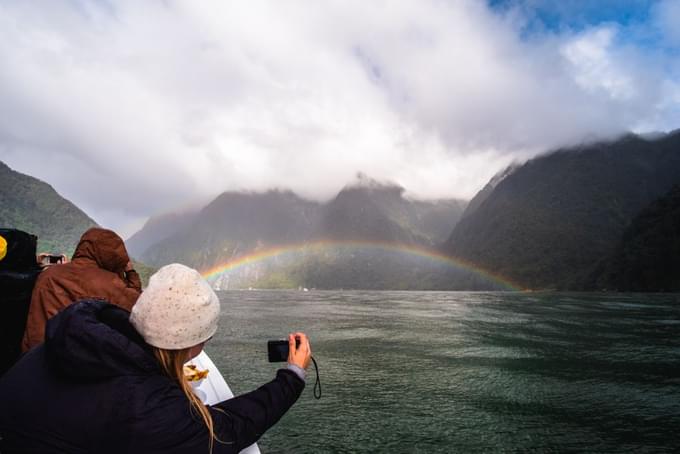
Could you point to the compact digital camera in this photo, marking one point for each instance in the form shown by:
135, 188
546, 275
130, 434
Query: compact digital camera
277, 350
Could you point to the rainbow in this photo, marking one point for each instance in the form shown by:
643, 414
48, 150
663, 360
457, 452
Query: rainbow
418, 251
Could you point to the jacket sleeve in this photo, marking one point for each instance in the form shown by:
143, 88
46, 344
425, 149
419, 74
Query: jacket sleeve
241, 421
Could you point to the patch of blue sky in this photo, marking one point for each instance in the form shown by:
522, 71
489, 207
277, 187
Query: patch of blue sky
634, 20
575, 15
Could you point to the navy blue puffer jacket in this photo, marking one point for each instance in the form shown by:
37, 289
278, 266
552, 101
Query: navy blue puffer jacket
95, 386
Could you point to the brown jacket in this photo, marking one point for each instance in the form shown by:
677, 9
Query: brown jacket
97, 270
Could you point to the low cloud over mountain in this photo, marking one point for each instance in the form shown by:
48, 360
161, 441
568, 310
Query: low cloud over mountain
132, 108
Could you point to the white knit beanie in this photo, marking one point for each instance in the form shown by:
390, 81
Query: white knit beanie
177, 310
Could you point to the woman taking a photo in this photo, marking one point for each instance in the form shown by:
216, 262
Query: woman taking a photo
106, 380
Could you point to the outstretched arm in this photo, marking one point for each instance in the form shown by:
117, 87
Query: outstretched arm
241, 421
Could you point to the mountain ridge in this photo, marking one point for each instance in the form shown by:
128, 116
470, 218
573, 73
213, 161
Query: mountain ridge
236, 224
549, 222
32, 205
566, 220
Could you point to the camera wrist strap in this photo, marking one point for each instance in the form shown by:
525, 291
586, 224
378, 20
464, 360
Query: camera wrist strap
317, 385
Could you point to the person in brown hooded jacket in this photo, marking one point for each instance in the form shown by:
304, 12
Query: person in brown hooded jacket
100, 269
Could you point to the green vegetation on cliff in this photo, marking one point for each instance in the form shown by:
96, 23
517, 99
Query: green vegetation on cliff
29, 204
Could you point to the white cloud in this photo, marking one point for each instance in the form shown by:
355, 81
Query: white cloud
593, 68
134, 108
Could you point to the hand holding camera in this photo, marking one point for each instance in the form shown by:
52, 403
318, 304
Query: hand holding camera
300, 352
297, 351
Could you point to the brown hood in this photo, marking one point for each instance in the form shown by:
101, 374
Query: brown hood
104, 247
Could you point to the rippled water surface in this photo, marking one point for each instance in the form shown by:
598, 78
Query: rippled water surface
465, 372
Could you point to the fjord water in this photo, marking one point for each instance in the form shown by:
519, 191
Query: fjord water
465, 372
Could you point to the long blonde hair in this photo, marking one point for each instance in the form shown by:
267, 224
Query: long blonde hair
172, 363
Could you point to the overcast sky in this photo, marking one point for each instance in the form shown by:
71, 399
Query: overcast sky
131, 108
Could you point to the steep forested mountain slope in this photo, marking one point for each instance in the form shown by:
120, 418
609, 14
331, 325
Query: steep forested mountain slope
29, 204
549, 222
648, 257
